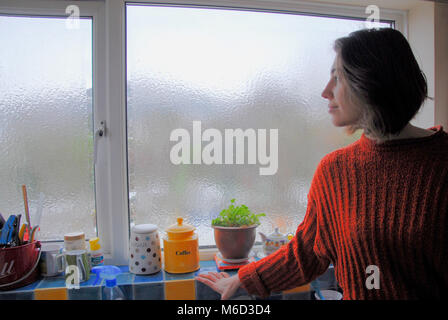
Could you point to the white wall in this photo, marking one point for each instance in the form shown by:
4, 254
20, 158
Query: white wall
441, 63
421, 37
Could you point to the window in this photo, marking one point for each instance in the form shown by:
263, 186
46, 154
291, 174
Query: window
227, 69
46, 124
53, 98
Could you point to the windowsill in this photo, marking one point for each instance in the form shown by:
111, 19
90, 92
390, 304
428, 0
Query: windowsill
204, 254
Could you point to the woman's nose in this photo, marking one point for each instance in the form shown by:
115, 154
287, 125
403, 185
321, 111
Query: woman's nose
327, 93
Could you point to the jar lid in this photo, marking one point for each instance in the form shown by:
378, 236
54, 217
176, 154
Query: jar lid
144, 228
74, 236
276, 235
180, 227
95, 244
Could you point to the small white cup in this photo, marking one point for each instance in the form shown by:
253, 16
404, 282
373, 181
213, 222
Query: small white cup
52, 261
329, 295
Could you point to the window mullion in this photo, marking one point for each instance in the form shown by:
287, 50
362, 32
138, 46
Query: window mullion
116, 120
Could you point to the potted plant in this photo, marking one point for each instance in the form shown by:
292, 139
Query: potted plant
234, 231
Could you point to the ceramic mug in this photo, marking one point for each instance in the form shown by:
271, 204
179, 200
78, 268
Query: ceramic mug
144, 250
77, 260
52, 262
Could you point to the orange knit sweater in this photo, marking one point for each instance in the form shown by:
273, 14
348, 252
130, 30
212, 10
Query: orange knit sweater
370, 204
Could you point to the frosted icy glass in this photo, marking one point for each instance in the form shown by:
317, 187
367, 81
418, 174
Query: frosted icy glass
46, 122
228, 69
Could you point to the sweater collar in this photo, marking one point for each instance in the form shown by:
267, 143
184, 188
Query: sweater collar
368, 143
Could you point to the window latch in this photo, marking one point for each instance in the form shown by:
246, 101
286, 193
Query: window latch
102, 129
99, 133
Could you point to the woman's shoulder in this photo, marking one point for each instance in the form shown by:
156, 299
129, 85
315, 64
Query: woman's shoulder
341, 155
331, 165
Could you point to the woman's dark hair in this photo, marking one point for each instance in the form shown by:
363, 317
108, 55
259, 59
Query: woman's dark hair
384, 78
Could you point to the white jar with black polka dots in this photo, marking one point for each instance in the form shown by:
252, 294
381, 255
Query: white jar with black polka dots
144, 250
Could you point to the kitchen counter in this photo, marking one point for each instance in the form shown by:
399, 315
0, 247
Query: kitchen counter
159, 286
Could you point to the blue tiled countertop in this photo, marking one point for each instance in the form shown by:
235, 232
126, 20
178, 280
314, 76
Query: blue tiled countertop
159, 286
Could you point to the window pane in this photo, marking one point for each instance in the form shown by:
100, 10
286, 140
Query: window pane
46, 122
227, 69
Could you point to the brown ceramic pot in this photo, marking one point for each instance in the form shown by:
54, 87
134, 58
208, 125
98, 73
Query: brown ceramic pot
235, 242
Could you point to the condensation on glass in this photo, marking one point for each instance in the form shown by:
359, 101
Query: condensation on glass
46, 131
227, 69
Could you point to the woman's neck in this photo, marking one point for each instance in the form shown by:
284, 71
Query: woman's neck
408, 132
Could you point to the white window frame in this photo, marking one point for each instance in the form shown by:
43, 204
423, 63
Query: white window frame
109, 88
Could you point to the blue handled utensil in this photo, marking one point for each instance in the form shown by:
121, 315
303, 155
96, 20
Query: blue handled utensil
8, 230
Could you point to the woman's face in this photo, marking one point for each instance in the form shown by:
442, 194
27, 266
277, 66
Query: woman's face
342, 110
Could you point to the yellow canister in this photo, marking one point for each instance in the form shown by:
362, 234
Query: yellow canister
181, 248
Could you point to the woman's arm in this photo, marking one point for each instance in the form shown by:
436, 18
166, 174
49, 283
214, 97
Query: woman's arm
296, 263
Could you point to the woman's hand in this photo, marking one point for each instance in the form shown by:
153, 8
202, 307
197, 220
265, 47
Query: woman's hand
221, 282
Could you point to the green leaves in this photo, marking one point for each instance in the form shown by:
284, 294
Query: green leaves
237, 216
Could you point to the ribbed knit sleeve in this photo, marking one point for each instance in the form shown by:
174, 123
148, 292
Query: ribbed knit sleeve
296, 263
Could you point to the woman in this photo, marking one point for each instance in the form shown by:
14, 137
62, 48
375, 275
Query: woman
378, 204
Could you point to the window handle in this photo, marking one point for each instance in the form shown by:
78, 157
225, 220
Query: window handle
99, 133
